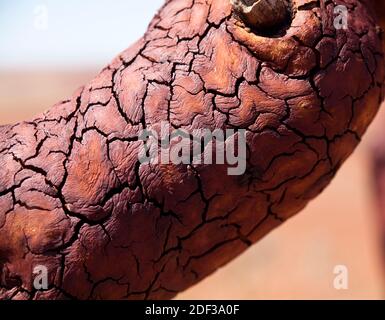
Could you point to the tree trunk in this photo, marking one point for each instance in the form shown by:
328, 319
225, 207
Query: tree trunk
75, 199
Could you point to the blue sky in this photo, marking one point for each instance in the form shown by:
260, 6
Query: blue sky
57, 33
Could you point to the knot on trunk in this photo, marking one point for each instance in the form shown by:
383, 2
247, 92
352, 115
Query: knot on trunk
263, 15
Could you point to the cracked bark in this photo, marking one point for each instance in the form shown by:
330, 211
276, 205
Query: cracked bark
74, 197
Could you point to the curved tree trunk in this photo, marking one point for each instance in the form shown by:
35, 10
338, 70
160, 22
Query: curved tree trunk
75, 199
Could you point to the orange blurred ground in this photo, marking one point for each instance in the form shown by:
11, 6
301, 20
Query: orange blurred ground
296, 261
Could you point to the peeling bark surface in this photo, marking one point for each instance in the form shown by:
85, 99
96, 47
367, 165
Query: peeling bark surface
74, 198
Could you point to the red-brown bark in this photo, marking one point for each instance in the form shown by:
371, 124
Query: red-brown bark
74, 197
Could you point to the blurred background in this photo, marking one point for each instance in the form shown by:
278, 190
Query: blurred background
49, 48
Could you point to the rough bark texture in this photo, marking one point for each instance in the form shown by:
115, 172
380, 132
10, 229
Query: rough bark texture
73, 196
